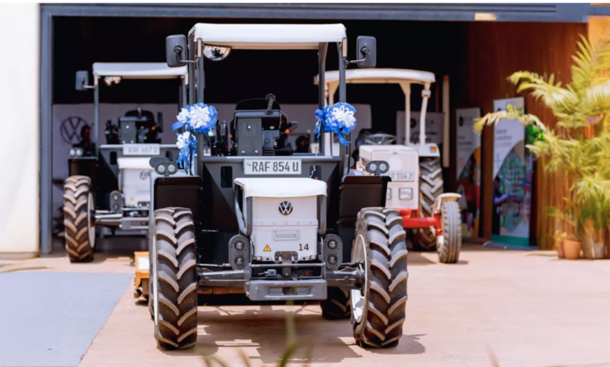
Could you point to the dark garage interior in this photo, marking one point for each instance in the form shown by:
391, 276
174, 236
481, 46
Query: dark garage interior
477, 56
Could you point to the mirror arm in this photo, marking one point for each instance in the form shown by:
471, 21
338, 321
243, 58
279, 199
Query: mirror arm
178, 51
365, 52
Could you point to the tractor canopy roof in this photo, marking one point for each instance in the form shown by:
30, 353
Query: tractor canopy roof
140, 70
379, 76
268, 36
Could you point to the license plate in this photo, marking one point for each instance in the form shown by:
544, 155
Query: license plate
401, 176
272, 166
141, 149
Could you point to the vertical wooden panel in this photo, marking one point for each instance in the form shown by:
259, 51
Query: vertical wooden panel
493, 52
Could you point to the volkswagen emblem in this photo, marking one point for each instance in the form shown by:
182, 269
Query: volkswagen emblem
144, 175
285, 208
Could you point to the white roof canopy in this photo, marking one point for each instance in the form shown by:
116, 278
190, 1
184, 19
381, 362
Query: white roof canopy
138, 70
268, 36
281, 187
379, 76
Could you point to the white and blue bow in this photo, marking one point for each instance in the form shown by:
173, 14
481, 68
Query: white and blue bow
338, 119
187, 144
199, 118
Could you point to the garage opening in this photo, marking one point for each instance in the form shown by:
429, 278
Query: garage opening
477, 58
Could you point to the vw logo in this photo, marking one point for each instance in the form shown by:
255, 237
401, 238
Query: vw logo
144, 175
285, 208
70, 129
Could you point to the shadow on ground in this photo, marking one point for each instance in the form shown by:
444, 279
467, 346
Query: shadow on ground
260, 333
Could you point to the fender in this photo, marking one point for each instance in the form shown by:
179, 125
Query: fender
450, 196
176, 191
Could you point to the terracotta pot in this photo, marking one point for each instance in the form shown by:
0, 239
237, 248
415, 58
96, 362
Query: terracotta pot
571, 249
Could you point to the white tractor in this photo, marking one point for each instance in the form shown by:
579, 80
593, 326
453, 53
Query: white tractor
108, 184
416, 188
256, 217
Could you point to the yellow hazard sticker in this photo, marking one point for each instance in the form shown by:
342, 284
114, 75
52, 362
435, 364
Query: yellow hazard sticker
267, 249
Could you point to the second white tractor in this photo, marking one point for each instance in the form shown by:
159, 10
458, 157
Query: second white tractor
416, 189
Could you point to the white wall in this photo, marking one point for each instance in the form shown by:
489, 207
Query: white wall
19, 126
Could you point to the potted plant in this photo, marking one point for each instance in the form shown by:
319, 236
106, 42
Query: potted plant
579, 144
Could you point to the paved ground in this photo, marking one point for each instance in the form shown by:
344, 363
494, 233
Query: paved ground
526, 308
50, 319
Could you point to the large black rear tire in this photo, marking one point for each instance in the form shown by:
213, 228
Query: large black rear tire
449, 248
78, 218
176, 267
430, 187
378, 310
337, 304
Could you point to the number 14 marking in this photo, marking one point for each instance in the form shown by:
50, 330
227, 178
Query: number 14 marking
301, 248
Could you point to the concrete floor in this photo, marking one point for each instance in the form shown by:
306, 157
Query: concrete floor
519, 308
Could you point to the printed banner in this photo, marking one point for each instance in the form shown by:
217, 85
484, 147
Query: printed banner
434, 127
468, 169
511, 185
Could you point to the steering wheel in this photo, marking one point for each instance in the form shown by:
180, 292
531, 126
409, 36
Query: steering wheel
376, 139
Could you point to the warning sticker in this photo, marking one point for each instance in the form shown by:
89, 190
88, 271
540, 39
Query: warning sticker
267, 249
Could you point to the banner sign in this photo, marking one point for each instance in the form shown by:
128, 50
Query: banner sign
468, 154
511, 185
434, 127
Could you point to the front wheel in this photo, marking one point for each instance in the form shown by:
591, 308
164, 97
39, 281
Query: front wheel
430, 187
176, 280
449, 244
378, 309
78, 218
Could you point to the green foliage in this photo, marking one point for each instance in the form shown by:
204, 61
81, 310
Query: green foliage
583, 103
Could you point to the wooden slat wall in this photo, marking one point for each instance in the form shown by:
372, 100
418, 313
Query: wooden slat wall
492, 52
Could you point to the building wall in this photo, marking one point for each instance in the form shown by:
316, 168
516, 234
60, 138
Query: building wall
19, 119
492, 52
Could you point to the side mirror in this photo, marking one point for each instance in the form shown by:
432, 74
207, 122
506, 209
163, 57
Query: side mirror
367, 51
82, 80
175, 50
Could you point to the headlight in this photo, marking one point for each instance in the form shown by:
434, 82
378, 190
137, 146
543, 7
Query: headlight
72, 152
405, 194
79, 152
160, 168
372, 167
171, 168
383, 167
388, 194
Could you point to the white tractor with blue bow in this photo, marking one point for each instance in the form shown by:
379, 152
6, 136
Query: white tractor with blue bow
251, 216
431, 216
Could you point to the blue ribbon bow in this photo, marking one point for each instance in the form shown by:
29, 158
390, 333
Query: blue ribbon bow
198, 118
338, 119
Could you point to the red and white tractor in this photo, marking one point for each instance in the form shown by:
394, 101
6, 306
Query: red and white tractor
416, 189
